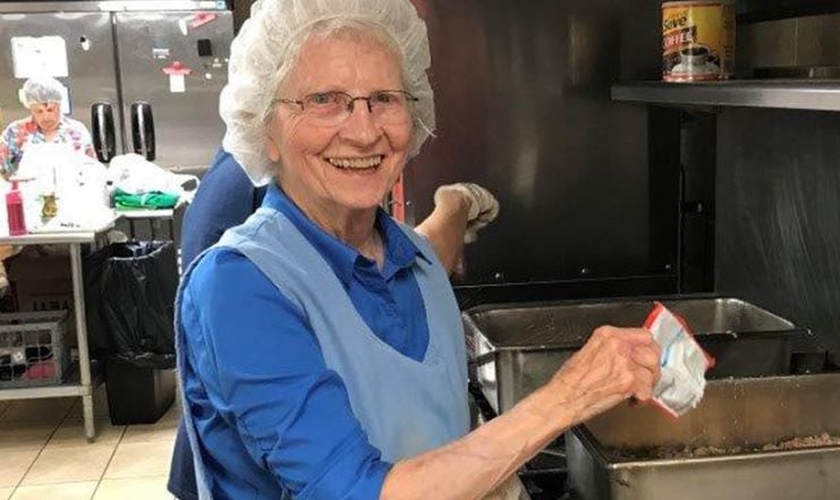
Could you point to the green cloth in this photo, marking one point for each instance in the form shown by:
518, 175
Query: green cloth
150, 201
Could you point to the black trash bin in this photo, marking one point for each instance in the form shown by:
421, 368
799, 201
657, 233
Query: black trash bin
131, 289
137, 395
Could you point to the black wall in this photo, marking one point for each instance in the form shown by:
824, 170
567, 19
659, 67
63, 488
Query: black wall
763, 10
588, 187
778, 214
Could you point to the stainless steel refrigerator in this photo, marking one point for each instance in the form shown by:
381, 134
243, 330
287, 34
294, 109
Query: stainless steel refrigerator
144, 76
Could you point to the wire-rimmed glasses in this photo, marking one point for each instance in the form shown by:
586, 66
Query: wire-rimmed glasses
334, 107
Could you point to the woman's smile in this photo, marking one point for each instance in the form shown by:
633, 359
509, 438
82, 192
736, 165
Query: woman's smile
357, 164
338, 169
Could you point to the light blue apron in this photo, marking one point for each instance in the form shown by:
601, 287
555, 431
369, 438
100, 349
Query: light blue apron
405, 406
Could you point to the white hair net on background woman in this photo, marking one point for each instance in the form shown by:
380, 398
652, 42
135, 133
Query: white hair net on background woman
42, 89
264, 51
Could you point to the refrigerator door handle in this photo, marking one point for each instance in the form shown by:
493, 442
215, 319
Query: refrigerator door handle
104, 139
143, 130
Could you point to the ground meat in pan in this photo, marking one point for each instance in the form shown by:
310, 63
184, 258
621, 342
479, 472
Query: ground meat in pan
678, 452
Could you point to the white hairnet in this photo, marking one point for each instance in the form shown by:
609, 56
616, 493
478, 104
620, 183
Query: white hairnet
263, 52
42, 89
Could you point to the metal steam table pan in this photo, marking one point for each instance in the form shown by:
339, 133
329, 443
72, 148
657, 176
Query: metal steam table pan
518, 347
608, 456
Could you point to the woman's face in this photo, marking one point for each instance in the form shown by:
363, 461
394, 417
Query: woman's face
46, 115
338, 169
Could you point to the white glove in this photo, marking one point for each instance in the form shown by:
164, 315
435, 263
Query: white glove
509, 490
482, 206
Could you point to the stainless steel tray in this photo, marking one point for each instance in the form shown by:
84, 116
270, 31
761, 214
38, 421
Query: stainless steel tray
734, 412
518, 347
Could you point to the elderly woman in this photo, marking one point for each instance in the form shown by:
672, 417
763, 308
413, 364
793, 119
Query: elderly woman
226, 198
42, 96
320, 344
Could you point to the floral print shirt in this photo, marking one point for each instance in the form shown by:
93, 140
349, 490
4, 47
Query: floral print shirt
25, 131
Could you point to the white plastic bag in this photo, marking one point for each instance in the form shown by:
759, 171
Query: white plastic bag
40, 162
81, 196
135, 175
683, 363
76, 180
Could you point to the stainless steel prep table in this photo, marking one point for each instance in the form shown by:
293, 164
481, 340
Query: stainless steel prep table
150, 216
74, 239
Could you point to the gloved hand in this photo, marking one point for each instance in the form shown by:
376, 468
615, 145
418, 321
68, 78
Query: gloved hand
482, 206
509, 490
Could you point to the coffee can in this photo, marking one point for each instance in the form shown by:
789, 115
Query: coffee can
698, 40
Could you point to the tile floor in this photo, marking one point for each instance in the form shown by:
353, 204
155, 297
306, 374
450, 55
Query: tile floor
44, 453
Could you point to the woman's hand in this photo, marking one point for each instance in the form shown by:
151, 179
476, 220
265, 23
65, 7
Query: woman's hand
614, 365
482, 207
460, 211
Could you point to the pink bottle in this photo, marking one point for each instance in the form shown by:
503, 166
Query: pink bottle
14, 210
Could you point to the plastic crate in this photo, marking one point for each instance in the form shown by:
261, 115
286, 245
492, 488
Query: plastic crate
33, 349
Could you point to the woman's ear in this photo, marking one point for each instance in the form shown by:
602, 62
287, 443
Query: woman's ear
271, 138
271, 148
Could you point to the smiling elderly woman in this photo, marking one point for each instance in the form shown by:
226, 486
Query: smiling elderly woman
319, 343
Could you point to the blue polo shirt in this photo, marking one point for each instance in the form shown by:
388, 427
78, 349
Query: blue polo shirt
310, 443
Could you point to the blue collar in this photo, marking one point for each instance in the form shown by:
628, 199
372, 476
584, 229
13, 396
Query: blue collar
400, 251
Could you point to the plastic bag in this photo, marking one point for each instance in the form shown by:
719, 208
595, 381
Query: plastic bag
42, 162
683, 363
133, 174
99, 340
153, 200
133, 302
81, 191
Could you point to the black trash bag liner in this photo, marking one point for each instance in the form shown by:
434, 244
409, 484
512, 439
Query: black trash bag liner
137, 290
93, 264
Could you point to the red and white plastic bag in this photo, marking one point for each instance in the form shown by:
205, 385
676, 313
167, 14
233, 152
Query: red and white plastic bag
683, 363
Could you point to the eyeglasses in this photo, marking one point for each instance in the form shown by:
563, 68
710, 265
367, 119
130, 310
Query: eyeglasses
334, 107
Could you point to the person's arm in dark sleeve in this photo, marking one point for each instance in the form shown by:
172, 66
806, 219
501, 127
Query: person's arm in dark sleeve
225, 198
262, 367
